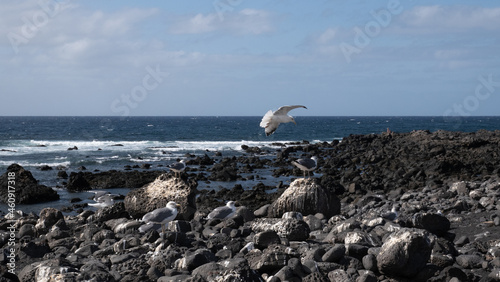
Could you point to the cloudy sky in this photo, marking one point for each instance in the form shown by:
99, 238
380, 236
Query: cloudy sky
241, 57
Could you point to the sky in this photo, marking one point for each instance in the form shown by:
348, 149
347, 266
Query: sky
243, 58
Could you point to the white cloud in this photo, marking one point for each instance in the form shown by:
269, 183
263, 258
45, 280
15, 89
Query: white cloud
246, 21
437, 19
327, 36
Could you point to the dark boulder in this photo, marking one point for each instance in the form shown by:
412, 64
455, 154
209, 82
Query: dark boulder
434, 223
24, 187
110, 179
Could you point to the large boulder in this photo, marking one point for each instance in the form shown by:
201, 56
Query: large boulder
405, 252
158, 193
24, 187
307, 197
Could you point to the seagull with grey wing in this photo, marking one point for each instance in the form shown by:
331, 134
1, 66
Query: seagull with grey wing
272, 120
306, 164
223, 212
178, 167
160, 216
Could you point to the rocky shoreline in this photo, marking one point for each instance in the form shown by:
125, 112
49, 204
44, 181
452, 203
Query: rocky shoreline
416, 206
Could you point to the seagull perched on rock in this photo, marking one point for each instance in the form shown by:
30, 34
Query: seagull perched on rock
161, 216
223, 212
272, 120
308, 164
177, 168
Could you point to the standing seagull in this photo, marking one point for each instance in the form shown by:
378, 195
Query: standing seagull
161, 215
223, 212
272, 120
178, 167
306, 164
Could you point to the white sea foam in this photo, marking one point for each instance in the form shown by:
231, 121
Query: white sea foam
34, 164
22, 147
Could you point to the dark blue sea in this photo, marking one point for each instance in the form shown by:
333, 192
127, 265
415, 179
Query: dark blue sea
106, 143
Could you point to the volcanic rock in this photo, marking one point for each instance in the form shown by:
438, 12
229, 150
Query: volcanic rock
307, 197
290, 228
24, 187
158, 193
405, 252
110, 179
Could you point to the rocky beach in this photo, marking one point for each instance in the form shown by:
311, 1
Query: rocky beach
415, 206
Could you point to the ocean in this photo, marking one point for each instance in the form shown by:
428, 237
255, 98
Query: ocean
105, 143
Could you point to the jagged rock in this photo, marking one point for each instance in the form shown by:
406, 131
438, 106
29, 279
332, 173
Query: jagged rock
307, 197
290, 228
272, 258
405, 252
48, 217
25, 187
158, 193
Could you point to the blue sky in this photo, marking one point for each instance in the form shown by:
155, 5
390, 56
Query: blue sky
240, 57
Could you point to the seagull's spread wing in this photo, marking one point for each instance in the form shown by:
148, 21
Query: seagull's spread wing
285, 109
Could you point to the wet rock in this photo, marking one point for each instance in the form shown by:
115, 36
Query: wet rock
405, 252
307, 197
158, 193
77, 182
110, 179
26, 188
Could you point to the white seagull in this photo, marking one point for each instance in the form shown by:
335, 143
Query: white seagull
272, 120
306, 164
223, 212
161, 216
103, 201
177, 168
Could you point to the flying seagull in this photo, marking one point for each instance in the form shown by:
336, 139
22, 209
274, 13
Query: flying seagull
306, 164
272, 120
178, 167
162, 215
223, 212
